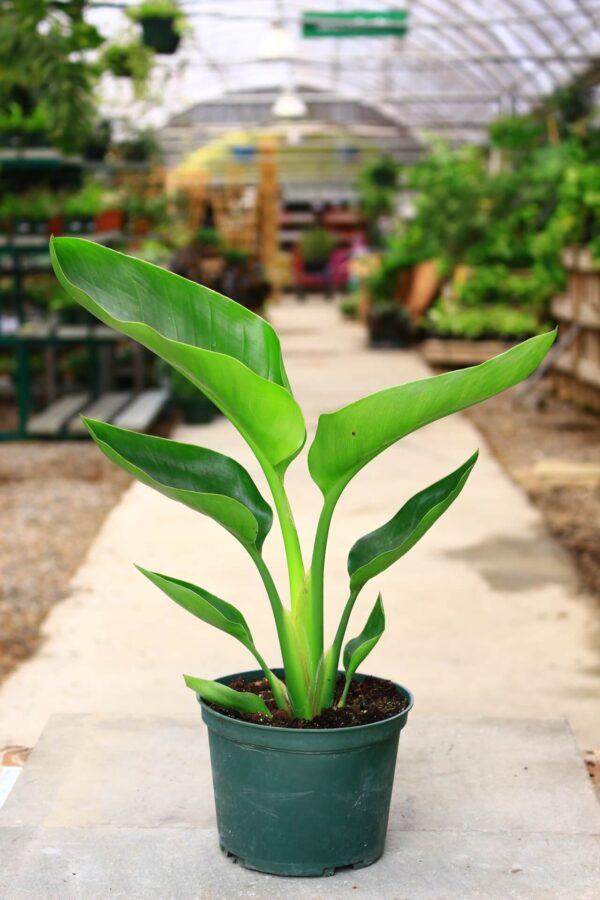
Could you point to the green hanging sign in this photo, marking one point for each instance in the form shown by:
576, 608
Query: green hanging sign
355, 23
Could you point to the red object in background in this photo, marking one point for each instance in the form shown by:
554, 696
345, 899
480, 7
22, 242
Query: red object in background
339, 265
110, 220
333, 278
305, 280
55, 225
140, 226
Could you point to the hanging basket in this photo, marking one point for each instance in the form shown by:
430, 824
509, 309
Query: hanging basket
159, 34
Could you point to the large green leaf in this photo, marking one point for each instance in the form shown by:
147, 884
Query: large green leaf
204, 480
348, 439
375, 552
359, 647
214, 692
228, 352
204, 605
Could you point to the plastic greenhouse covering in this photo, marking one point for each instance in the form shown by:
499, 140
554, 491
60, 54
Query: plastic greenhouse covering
459, 65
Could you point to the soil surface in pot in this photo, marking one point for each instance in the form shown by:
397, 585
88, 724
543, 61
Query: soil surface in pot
371, 700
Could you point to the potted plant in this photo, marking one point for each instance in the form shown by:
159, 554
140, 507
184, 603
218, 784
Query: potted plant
389, 325
303, 757
110, 215
163, 24
28, 214
38, 209
10, 210
316, 245
140, 147
145, 213
244, 279
209, 242
19, 129
349, 307
131, 60
98, 141
81, 209
377, 190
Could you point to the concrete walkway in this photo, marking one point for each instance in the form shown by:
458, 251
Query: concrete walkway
483, 615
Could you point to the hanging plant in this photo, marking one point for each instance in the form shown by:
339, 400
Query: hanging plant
377, 189
19, 128
163, 24
132, 61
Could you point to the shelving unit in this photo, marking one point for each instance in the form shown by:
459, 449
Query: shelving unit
135, 408
53, 412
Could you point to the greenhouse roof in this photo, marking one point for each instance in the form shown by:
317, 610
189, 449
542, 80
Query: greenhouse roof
458, 66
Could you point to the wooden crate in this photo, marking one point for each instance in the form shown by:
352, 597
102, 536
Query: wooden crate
576, 373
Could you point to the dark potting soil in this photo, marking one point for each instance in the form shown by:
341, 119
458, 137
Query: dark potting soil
370, 700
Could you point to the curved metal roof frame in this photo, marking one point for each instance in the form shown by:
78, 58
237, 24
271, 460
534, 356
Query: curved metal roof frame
460, 64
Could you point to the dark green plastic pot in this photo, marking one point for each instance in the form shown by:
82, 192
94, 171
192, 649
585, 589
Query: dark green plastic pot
302, 802
158, 33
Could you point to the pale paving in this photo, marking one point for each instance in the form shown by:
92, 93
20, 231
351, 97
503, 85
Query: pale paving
484, 617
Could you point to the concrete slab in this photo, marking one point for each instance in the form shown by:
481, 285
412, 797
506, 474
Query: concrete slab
123, 808
483, 615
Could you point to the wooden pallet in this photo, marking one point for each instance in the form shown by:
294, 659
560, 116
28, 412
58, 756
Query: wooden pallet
105, 408
54, 418
143, 410
576, 372
456, 353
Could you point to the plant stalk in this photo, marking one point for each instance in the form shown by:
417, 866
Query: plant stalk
291, 541
331, 661
296, 676
317, 571
276, 685
344, 696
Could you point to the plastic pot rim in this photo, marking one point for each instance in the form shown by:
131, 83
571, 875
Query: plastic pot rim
262, 729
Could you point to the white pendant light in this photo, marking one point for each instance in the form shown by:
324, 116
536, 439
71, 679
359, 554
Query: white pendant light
277, 43
289, 105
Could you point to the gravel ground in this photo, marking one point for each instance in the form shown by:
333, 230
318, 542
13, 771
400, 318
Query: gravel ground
53, 499
554, 454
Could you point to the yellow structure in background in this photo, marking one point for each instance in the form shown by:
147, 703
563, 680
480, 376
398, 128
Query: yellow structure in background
243, 175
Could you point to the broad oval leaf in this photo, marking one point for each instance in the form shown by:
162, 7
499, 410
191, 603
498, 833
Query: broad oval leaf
204, 605
348, 439
359, 647
228, 352
376, 551
206, 481
221, 695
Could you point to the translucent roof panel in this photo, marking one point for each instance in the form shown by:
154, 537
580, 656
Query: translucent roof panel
459, 65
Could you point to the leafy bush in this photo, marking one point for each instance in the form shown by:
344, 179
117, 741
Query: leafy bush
576, 217
499, 284
44, 60
545, 196
33, 206
449, 319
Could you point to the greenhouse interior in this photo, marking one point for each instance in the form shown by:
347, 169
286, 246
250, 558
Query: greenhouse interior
401, 201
